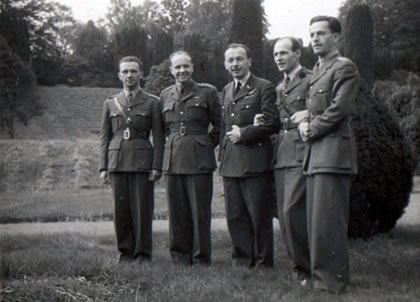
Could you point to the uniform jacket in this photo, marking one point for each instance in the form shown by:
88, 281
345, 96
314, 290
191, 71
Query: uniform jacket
190, 144
136, 153
254, 153
290, 148
332, 91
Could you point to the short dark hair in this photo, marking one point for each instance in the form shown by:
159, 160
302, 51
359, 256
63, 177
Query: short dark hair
239, 45
333, 23
132, 59
296, 43
179, 52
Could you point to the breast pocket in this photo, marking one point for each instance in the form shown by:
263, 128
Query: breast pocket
168, 112
320, 100
142, 120
116, 120
298, 103
247, 113
197, 110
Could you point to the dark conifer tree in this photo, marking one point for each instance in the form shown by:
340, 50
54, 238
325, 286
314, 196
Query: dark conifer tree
248, 28
358, 44
382, 187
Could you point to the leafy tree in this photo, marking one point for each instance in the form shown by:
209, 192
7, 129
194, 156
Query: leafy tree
14, 29
159, 78
90, 43
17, 84
176, 11
248, 28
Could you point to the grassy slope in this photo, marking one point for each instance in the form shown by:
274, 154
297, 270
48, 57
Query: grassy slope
50, 180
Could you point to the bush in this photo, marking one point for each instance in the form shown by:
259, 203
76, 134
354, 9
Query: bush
382, 188
159, 78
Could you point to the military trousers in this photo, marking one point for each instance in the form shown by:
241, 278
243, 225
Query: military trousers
249, 214
327, 198
133, 213
290, 184
189, 203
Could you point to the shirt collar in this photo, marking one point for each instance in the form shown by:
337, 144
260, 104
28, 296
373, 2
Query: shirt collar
132, 92
328, 58
293, 73
243, 80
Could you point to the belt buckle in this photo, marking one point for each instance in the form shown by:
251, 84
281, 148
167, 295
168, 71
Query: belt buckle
126, 134
182, 130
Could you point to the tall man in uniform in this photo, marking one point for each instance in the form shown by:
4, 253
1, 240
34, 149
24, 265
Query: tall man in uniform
246, 160
290, 182
130, 162
330, 160
189, 161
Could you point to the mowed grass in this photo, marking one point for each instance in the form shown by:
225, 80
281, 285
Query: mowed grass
81, 204
76, 267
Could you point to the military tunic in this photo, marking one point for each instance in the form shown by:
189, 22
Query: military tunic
188, 164
330, 160
290, 182
127, 153
246, 168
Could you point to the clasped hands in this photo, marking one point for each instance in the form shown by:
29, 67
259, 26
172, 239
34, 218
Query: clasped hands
299, 117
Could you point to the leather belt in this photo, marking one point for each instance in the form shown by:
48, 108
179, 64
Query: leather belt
287, 124
182, 131
132, 134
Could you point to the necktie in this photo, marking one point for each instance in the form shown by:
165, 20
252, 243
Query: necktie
129, 98
286, 82
238, 87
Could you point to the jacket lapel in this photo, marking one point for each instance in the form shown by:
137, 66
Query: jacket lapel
246, 90
319, 72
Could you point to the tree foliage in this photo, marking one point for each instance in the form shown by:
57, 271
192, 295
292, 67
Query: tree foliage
17, 85
396, 26
358, 44
382, 187
248, 28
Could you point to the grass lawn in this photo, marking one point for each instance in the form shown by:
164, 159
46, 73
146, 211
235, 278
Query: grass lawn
80, 204
81, 267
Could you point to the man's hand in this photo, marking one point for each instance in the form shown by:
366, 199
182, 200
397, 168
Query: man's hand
155, 175
235, 134
300, 116
304, 131
105, 177
259, 119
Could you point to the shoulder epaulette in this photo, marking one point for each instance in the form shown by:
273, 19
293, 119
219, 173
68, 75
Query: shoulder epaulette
207, 85
112, 97
167, 88
151, 95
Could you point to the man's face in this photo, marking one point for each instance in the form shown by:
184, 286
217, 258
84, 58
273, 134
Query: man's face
130, 75
323, 41
237, 62
285, 58
181, 68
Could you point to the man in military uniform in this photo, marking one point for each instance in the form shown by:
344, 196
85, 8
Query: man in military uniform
289, 180
330, 159
129, 161
246, 160
189, 161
